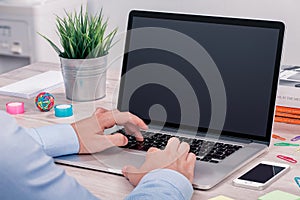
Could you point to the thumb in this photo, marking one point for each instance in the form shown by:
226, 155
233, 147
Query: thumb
132, 174
117, 139
108, 141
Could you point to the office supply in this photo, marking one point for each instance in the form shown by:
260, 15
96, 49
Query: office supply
287, 115
15, 108
63, 110
297, 180
44, 101
287, 120
296, 138
285, 144
288, 88
279, 195
221, 197
278, 137
171, 73
286, 158
30, 87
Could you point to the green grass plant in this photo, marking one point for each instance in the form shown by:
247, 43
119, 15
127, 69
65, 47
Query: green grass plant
82, 35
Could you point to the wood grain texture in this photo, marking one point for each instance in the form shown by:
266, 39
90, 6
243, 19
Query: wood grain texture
108, 186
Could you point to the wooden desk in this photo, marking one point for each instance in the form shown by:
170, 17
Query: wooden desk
107, 186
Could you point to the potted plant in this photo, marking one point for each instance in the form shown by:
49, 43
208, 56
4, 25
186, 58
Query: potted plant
83, 59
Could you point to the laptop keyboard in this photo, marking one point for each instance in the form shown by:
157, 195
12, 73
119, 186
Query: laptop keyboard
207, 151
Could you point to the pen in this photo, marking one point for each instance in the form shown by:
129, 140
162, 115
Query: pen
285, 144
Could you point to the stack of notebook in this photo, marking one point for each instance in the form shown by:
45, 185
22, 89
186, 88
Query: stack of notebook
288, 95
287, 115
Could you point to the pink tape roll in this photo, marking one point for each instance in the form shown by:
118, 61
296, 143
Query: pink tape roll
15, 108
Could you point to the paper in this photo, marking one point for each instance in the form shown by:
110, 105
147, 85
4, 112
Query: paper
279, 195
221, 197
30, 87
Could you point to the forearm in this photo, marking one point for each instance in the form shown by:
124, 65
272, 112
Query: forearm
162, 184
56, 140
27, 172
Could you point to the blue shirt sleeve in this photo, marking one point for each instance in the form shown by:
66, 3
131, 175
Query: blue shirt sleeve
162, 184
56, 140
28, 173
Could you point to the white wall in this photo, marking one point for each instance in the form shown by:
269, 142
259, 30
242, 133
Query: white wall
287, 11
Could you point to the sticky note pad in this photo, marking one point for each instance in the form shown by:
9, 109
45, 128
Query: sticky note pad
279, 195
221, 197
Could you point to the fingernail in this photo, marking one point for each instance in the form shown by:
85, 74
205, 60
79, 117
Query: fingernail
125, 140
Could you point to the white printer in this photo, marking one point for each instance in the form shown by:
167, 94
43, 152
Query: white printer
20, 20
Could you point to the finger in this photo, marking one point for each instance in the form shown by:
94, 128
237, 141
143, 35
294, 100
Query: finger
133, 174
101, 110
122, 118
133, 130
191, 161
183, 150
138, 121
191, 158
173, 144
152, 150
108, 141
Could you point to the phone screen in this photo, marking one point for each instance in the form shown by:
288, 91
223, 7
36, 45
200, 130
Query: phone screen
261, 173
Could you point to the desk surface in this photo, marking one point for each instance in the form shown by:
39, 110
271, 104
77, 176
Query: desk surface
105, 185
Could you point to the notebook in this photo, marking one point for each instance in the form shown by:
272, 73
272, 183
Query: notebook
30, 87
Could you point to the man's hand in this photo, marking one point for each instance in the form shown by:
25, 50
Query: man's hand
175, 156
90, 130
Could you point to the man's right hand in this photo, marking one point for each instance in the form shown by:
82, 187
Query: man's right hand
175, 156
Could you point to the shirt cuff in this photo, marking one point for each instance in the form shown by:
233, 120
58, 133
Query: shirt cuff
56, 140
172, 177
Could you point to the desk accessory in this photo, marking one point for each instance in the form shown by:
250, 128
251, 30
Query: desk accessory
278, 137
287, 115
288, 89
221, 197
279, 195
15, 108
286, 158
285, 144
30, 87
63, 110
296, 138
44, 101
297, 179
85, 44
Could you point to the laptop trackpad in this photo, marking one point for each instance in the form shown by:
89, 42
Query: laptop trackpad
117, 158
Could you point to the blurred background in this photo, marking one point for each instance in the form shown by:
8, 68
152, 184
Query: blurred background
20, 20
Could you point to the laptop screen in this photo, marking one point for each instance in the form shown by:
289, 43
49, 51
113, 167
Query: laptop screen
158, 82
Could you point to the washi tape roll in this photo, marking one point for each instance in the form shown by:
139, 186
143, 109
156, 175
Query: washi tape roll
63, 110
15, 108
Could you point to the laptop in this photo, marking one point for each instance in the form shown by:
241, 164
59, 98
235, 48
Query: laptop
209, 81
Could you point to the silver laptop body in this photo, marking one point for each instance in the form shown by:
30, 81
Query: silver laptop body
234, 102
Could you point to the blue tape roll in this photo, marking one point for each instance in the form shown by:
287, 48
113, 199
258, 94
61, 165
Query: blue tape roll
63, 110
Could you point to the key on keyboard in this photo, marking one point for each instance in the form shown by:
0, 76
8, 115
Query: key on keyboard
206, 151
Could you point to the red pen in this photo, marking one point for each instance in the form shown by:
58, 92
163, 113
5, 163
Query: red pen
286, 158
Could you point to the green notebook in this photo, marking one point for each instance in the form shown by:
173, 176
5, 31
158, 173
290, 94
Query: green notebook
279, 195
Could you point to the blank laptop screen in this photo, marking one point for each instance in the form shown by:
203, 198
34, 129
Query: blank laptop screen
247, 57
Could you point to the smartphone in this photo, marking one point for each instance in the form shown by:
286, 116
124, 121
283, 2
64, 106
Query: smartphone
262, 175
